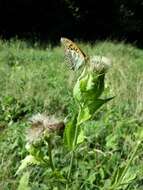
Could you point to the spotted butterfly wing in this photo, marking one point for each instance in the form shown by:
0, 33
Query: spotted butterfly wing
73, 54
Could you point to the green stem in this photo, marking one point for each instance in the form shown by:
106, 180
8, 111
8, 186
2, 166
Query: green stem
72, 156
50, 155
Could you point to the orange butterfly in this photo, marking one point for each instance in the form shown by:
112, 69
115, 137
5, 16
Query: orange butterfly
73, 54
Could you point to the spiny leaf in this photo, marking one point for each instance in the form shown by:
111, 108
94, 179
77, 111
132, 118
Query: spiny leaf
94, 106
28, 160
69, 132
80, 87
81, 137
23, 184
84, 115
89, 87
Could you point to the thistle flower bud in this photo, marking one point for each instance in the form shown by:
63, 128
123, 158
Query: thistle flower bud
40, 124
99, 64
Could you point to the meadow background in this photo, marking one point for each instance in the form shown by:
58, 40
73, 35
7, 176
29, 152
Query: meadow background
36, 79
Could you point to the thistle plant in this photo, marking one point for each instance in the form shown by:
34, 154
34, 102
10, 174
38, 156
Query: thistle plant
87, 95
88, 98
40, 134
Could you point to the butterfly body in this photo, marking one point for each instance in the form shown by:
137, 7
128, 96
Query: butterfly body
73, 54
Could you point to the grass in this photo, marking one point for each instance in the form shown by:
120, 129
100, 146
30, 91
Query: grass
37, 80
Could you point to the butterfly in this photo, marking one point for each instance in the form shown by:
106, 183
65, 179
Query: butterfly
73, 54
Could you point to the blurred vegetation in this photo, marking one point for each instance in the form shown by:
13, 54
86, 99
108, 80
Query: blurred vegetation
35, 80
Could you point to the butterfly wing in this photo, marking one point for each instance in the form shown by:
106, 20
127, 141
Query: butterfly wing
73, 54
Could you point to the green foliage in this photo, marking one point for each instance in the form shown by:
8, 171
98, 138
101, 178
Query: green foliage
70, 132
12, 150
105, 145
23, 184
28, 160
86, 92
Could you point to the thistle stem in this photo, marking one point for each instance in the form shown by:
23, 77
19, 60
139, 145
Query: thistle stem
50, 155
72, 156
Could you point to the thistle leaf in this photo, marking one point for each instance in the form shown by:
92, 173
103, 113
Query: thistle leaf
94, 106
23, 184
28, 160
84, 115
81, 137
69, 132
